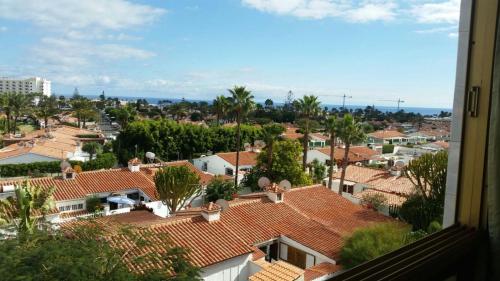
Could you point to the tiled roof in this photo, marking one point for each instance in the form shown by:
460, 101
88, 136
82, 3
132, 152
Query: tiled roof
291, 133
319, 136
363, 151
112, 180
321, 269
392, 199
257, 254
361, 174
208, 243
338, 154
278, 271
442, 144
247, 158
386, 134
312, 216
151, 169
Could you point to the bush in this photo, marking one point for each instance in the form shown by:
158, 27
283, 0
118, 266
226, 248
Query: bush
220, 188
371, 242
374, 200
103, 161
388, 148
88, 136
93, 204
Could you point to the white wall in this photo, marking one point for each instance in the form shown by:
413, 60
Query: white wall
215, 164
319, 257
315, 154
233, 269
27, 158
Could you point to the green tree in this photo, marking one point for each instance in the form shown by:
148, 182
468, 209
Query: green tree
241, 102
426, 204
220, 106
46, 108
317, 171
92, 148
286, 166
26, 210
176, 186
331, 127
368, 243
271, 133
374, 200
388, 148
81, 106
6, 100
350, 132
308, 107
20, 105
269, 103
220, 188
93, 204
88, 252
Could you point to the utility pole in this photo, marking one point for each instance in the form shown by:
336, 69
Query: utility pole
399, 102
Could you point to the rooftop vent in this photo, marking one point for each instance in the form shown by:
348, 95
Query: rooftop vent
275, 193
68, 173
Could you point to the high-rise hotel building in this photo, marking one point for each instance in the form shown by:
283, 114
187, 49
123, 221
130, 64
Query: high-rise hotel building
25, 86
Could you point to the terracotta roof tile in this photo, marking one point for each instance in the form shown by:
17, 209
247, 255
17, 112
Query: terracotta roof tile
339, 152
247, 158
278, 271
386, 134
321, 269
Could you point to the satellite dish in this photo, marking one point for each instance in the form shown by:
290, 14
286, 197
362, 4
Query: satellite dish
359, 164
263, 182
223, 203
285, 185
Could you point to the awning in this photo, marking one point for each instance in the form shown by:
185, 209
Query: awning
121, 200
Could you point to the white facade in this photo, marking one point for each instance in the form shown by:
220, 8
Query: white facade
316, 154
25, 86
233, 269
216, 165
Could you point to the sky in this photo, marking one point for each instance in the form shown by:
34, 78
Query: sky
376, 51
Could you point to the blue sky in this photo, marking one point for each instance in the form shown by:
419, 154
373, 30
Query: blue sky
371, 49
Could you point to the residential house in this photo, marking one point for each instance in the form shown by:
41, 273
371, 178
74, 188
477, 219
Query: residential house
294, 234
119, 190
315, 139
360, 181
357, 154
62, 142
379, 138
224, 163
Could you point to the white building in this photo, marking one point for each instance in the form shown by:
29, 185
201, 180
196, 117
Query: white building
25, 86
225, 163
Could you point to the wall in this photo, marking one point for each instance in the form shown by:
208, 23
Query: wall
233, 269
319, 257
216, 165
27, 158
315, 154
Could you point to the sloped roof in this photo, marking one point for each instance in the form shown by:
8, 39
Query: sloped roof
339, 152
151, 169
278, 271
386, 134
320, 269
247, 158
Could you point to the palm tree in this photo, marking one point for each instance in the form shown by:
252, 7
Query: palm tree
92, 148
241, 102
331, 124
308, 108
20, 104
47, 107
6, 103
271, 133
350, 131
20, 209
220, 106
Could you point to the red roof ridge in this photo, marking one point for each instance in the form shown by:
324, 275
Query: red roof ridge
305, 187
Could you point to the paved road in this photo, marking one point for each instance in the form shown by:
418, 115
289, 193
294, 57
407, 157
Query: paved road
107, 129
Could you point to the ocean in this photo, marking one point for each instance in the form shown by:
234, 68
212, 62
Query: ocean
422, 110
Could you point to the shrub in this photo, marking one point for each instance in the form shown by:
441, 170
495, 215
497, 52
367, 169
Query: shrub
374, 200
220, 188
371, 242
88, 136
388, 148
93, 204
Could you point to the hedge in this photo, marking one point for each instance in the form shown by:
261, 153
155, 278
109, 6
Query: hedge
88, 136
103, 161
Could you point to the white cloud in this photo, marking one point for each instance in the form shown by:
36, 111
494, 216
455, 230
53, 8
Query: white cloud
453, 34
437, 12
354, 11
3, 28
73, 14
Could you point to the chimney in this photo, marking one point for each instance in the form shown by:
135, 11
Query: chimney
211, 212
68, 173
134, 165
275, 193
